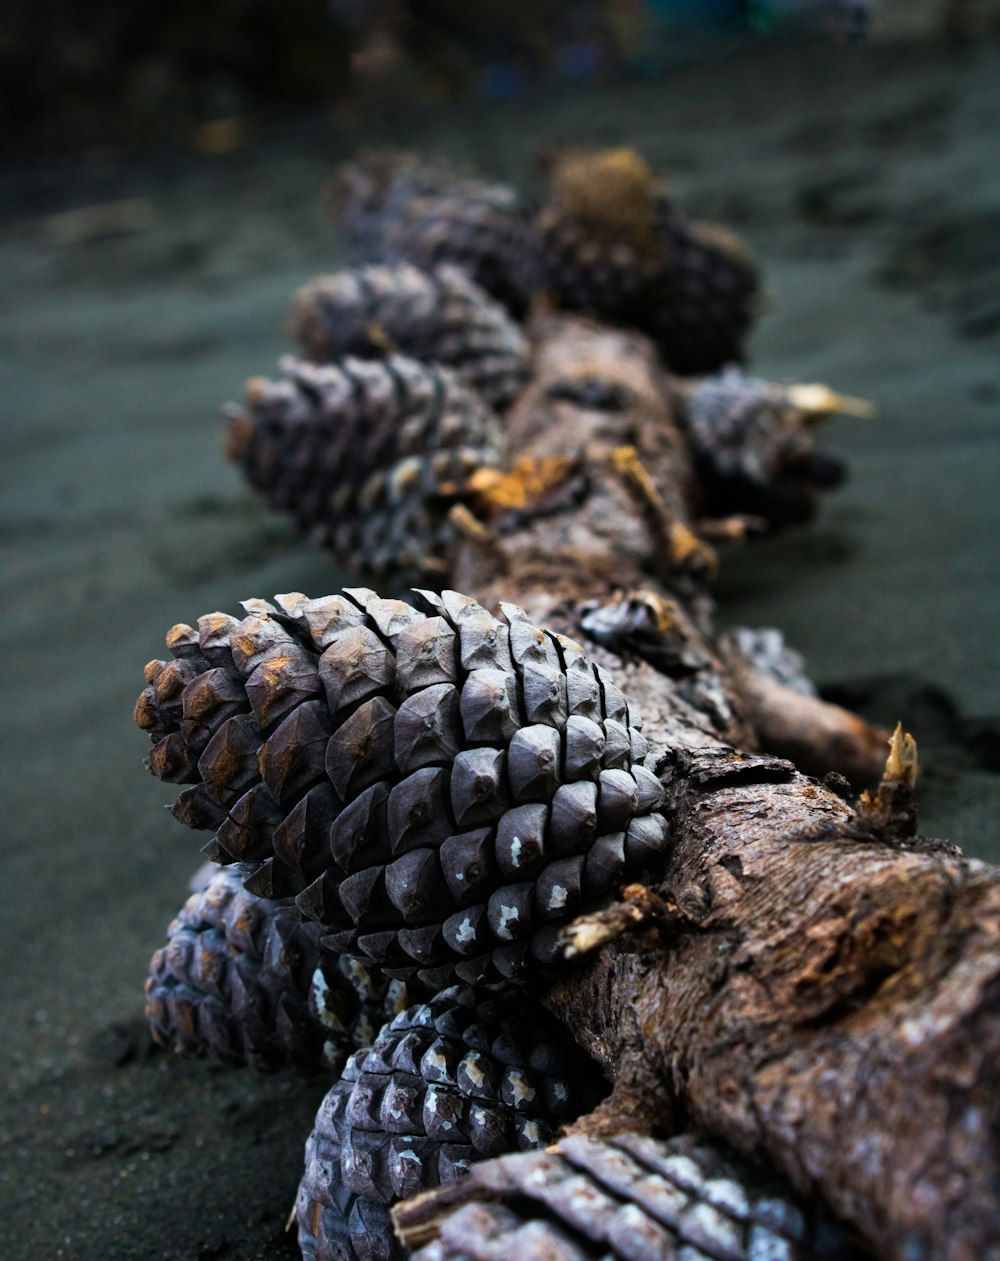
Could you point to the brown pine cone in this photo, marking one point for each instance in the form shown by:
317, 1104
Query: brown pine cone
446, 1083
452, 787
392, 207
707, 296
244, 982
613, 244
601, 248
360, 451
439, 316
751, 450
633, 1199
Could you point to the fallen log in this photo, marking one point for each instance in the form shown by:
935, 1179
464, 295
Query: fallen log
824, 994
803, 980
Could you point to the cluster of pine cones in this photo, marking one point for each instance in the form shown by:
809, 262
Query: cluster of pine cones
408, 802
410, 358
409, 805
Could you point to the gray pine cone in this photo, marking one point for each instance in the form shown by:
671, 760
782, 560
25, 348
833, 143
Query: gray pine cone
439, 316
452, 787
752, 455
392, 207
633, 1199
244, 982
459, 1079
360, 453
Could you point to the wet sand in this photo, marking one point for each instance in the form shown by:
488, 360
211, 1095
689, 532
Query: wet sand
868, 185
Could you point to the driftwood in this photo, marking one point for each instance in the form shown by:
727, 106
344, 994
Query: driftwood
808, 981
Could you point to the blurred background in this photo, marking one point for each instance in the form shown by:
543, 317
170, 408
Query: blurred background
160, 199
131, 74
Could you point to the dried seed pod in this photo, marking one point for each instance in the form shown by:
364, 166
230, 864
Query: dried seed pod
613, 243
446, 1083
244, 982
628, 1199
422, 820
392, 207
753, 452
439, 316
363, 453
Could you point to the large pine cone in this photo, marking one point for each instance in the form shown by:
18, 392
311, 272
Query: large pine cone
451, 786
633, 1199
244, 982
439, 316
752, 451
395, 207
360, 453
446, 1083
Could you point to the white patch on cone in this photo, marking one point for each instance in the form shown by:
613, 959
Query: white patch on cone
508, 915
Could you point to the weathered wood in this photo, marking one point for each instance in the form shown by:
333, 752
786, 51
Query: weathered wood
826, 994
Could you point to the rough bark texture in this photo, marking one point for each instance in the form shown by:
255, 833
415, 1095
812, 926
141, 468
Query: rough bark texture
824, 991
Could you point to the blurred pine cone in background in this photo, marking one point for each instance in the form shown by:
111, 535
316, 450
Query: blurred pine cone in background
613, 244
394, 207
440, 316
362, 454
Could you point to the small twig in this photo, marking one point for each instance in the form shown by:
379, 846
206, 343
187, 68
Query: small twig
685, 549
478, 534
818, 403
893, 809
639, 905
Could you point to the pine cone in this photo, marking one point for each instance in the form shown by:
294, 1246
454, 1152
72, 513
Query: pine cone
244, 982
601, 250
360, 453
629, 1199
452, 787
445, 1084
751, 452
394, 207
440, 317
707, 296
613, 243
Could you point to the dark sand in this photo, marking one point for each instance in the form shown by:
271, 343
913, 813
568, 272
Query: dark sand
870, 187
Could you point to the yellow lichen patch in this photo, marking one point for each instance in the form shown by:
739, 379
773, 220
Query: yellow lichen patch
529, 481
610, 193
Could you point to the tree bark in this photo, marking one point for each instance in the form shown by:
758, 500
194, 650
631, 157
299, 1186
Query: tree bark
809, 982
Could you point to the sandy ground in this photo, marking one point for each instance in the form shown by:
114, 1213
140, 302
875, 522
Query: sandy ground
868, 184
